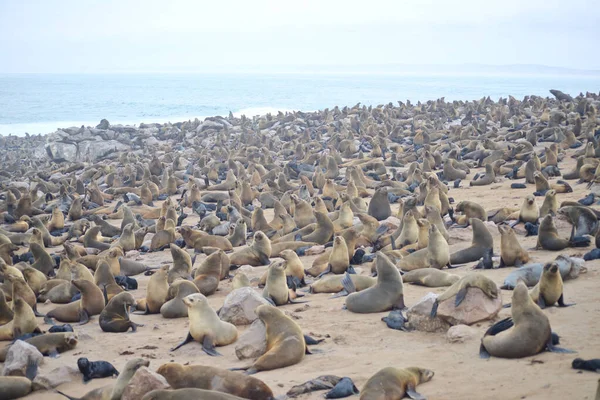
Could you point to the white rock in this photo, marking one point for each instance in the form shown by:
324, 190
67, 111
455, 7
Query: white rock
239, 306
476, 306
253, 342
460, 334
58, 376
142, 382
419, 316
19, 355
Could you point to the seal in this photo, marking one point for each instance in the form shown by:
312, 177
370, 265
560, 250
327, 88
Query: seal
206, 327
208, 274
333, 284
95, 369
163, 238
157, 291
482, 241
470, 210
435, 255
379, 207
460, 287
240, 280
529, 211
276, 290
211, 378
548, 237
105, 280
395, 383
550, 204
49, 344
386, 294
549, 290
115, 316
175, 307
91, 303
511, 252
256, 255
15, 387
182, 264
583, 219
430, 277
188, 394
285, 342
322, 232
526, 334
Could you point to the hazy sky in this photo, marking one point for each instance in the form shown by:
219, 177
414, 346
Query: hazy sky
271, 35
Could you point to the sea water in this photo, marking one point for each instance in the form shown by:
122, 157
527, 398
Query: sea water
42, 103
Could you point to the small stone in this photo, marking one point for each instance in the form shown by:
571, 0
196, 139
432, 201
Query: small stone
253, 342
143, 381
476, 306
460, 334
19, 355
57, 376
239, 306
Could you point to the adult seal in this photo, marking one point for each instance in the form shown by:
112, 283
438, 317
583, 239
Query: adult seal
482, 241
526, 334
386, 294
395, 383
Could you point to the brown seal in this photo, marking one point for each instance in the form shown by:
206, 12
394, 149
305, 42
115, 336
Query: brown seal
206, 327
256, 254
175, 307
15, 387
386, 294
182, 264
395, 383
549, 290
460, 287
115, 316
511, 252
211, 378
285, 342
156, 292
333, 284
430, 277
49, 344
188, 394
482, 242
197, 239
435, 255
91, 303
527, 333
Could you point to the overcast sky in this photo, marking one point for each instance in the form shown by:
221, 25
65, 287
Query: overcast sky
274, 35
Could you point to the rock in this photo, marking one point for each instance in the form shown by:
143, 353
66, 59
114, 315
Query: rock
239, 306
18, 357
104, 124
253, 342
460, 334
474, 308
419, 316
57, 376
142, 382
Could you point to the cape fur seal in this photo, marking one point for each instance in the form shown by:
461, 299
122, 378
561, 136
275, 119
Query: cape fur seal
395, 383
527, 333
386, 294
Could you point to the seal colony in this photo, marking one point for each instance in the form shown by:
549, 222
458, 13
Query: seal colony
350, 211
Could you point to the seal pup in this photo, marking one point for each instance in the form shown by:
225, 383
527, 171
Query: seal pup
205, 377
95, 369
526, 334
395, 383
386, 294
206, 327
285, 342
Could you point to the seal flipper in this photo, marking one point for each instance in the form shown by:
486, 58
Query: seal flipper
209, 347
312, 341
53, 353
413, 394
561, 302
270, 300
348, 284
264, 259
187, 339
36, 313
327, 270
344, 388
84, 317
31, 371
499, 326
66, 395
555, 349
483, 353
460, 296
434, 309
399, 304
541, 302
48, 320
341, 293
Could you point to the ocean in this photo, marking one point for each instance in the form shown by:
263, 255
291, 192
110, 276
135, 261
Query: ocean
41, 103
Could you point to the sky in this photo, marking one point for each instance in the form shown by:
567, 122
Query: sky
81, 36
